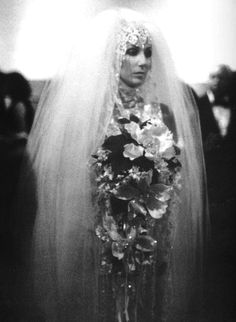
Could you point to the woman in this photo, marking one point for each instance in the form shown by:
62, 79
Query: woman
115, 238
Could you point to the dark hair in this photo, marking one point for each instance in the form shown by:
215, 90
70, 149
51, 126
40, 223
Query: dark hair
17, 86
2, 89
221, 70
2, 81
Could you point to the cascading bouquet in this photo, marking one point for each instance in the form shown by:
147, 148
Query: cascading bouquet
137, 173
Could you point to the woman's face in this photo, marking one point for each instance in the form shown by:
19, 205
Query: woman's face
136, 64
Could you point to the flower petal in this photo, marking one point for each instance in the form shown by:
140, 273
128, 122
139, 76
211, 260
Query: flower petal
161, 191
138, 207
132, 151
117, 250
110, 226
132, 128
157, 212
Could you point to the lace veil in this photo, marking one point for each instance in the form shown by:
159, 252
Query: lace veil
70, 122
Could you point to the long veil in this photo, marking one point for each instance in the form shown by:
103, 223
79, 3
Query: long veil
71, 121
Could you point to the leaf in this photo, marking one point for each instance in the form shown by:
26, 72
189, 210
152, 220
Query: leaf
126, 192
145, 243
137, 207
145, 181
152, 202
161, 191
159, 187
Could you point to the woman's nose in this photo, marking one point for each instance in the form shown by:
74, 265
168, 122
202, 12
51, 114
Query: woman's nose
142, 60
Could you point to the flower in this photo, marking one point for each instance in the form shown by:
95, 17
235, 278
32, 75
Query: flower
118, 250
138, 172
157, 213
132, 151
133, 128
102, 154
145, 243
177, 181
143, 194
166, 141
158, 137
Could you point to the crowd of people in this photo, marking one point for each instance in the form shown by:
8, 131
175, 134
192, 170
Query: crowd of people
104, 201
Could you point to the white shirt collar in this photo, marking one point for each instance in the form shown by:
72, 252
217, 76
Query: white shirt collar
211, 96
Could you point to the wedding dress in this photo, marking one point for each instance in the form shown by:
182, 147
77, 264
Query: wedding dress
142, 262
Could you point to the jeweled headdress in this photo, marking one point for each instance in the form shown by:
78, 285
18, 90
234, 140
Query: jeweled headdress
134, 34
131, 33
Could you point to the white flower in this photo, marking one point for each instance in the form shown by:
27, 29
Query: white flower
158, 213
178, 181
117, 250
132, 151
133, 129
152, 112
166, 141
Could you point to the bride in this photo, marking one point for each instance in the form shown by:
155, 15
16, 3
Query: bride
118, 172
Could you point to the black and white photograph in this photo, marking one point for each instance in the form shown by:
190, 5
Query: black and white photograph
117, 160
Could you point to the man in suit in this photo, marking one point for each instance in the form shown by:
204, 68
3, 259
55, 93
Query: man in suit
217, 111
215, 107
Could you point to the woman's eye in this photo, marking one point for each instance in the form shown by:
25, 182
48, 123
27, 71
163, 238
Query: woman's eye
148, 52
132, 51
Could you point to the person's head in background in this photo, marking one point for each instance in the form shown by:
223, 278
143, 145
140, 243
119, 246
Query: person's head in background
2, 82
16, 96
219, 79
2, 89
17, 87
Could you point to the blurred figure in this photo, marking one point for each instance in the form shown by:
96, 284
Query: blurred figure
232, 88
231, 135
217, 117
219, 79
16, 117
215, 108
218, 123
18, 111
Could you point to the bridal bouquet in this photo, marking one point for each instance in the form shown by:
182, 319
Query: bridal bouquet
137, 173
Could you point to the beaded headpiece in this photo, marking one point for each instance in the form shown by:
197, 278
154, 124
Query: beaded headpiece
134, 34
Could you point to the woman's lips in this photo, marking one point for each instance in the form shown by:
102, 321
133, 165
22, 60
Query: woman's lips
139, 74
